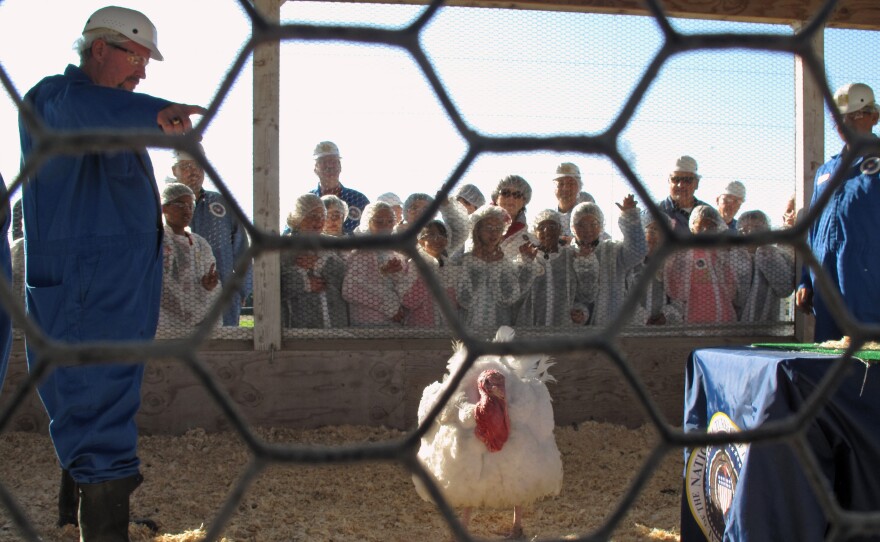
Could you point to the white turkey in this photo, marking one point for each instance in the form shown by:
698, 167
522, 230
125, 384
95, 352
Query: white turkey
492, 444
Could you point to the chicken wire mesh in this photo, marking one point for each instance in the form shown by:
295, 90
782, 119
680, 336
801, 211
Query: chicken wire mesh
338, 270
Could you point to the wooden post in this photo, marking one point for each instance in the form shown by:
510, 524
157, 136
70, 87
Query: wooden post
267, 269
810, 152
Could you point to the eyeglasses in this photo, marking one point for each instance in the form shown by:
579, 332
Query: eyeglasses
383, 221
682, 180
189, 165
547, 226
182, 205
589, 223
856, 115
511, 194
133, 58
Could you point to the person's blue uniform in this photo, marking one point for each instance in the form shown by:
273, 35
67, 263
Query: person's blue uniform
214, 220
680, 217
844, 240
6, 269
356, 203
93, 239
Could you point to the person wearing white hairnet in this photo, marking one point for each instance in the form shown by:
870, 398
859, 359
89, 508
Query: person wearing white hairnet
214, 220
552, 287
488, 287
569, 192
105, 284
311, 281
376, 279
190, 281
513, 194
421, 309
453, 214
614, 259
683, 184
395, 202
729, 202
704, 280
328, 167
771, 269
471, 197
337, 210
844, 238
654, 308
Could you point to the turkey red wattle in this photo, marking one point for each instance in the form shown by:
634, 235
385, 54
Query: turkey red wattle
493, 421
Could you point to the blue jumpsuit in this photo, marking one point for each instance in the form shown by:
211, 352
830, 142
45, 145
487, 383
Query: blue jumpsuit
844, 239
6, 269
93, 240
214, 220
356, 203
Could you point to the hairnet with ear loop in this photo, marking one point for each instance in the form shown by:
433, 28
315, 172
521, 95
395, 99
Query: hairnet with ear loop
707, 212
304, 205
369, 211
334, 202
647, 219
759, 220
471, 194
391, 199
587, 208
174, 190
412, 199
546, 214
516, 183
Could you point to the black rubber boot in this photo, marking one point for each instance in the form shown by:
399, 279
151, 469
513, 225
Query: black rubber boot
68, 500
103, 509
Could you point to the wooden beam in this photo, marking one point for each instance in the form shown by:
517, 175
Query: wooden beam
859, 14
267, 266
809, 155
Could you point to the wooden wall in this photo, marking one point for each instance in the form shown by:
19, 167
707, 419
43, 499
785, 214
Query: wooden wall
377, 383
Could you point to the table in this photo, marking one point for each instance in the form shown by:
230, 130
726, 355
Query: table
759, 492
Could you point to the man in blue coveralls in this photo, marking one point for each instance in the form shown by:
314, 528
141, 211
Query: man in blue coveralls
328, 166
844, 238
6, 269
214, 220
93, 239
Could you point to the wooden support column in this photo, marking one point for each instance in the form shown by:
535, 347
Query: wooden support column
267, 269
810, 154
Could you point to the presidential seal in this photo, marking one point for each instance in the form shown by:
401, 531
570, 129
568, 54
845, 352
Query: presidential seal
712, 475
870, 166
217, 209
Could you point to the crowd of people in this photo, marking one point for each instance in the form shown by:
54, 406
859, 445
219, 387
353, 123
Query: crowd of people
109, 257
561, 269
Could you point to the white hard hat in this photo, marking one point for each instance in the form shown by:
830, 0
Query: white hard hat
567, 169
326, 148
685, 163
853, 97
181, 155
132, 24
735, 188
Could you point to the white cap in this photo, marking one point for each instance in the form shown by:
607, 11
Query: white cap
391, 199
567, 169
326, 148
735, 188
853, 97
180, 155
172, 191
132, 24
685, 163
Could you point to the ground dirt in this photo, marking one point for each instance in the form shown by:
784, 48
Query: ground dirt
189, 478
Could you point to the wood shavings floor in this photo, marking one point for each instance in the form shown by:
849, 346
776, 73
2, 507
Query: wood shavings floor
188, 478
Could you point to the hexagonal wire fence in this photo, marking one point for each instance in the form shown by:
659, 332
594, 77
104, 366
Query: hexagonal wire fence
606, 144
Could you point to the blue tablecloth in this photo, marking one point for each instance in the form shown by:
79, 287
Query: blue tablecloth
758, 492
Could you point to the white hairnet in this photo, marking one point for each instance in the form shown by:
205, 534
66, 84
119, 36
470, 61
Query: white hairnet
587, 208
172, 191
304, 205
